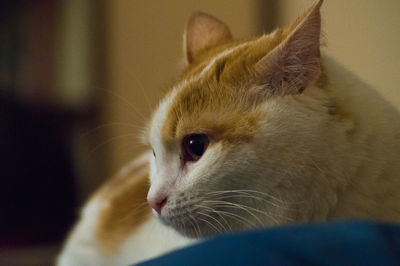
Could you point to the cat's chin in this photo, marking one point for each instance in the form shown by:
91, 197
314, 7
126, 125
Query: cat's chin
181, 227
190, 228
189, 233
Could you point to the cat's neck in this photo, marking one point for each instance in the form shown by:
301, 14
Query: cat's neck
372, 162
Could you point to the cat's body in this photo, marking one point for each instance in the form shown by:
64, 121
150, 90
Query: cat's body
116, 242
283, 135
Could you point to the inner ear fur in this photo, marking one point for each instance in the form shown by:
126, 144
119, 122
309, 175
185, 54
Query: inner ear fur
295, 63
203, 31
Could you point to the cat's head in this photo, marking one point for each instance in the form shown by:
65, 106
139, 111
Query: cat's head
236, 138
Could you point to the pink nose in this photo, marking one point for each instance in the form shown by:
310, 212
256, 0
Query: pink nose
157, 204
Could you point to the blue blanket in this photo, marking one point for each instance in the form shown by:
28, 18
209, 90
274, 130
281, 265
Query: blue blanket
336, 243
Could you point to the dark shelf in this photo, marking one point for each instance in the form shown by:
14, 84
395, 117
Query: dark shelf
37, 178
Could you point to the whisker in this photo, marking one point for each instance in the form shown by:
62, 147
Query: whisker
240, 206
90, 131
246, 195
216, 212
126, 102
238, 218
109, 141
144, 94
268, 214
195, 226
248, 191
218, 222
213, 226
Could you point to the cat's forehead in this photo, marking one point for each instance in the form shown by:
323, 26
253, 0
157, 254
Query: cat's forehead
210, 60
212, 94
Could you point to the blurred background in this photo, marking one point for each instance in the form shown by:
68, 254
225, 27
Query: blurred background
78, 79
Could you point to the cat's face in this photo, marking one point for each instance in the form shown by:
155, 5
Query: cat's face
234, 140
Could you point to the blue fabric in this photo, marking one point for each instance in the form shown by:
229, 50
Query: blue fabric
336, 243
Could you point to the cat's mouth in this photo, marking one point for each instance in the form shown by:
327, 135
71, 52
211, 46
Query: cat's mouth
192, 225
183, 216
195, 219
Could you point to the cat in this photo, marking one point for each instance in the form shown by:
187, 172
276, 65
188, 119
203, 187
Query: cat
255, 133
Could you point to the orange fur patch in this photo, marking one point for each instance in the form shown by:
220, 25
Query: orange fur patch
220, 102
218, 97
126, 206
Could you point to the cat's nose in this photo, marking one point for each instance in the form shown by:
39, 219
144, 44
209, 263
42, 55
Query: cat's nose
157, 204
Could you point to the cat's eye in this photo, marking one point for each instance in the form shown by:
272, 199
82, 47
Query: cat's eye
154, 154
194, 146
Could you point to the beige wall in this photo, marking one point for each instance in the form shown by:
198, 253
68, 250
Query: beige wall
362, 34
144, 50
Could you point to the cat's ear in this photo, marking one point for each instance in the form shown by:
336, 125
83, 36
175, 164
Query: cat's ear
203, 31
291, 66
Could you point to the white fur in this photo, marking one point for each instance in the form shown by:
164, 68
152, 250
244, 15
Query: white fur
166, 167
82, 247
151, 239
159, 118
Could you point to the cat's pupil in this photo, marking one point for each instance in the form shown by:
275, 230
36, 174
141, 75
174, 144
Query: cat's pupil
194, 146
